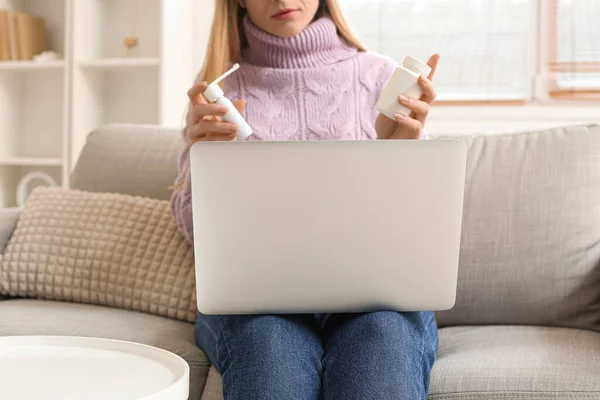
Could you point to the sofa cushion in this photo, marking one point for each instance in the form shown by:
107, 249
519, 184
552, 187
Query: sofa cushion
213, 389
530, 251
139, 160
516, 362
25, 317
100, 248
8, 221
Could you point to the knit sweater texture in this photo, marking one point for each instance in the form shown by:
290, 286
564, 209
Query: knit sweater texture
312, 86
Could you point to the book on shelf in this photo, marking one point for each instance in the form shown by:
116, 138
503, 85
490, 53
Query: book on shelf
22, 35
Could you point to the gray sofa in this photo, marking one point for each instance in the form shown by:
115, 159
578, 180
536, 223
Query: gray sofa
527, 319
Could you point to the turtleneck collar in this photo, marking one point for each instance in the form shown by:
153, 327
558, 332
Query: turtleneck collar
317, 45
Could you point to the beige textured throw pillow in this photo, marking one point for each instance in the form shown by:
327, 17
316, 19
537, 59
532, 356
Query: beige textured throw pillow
100, 248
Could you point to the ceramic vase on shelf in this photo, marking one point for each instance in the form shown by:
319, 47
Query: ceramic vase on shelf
28, 183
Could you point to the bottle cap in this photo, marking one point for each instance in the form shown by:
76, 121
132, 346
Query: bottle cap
417, 64
214, 91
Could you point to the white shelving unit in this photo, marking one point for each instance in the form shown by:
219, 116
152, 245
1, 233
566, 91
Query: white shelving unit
34, 100
48, 108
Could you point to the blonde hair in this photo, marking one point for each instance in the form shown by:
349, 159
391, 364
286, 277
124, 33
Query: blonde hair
228, 40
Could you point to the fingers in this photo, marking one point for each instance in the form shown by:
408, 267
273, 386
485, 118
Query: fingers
212, 137
201, 111
240, 105
195, 94
217, 137
212, 128
410, 127
205, 119
216, 127
428, 90
433, 63
420, 109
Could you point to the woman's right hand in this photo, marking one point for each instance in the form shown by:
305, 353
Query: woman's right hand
205, 120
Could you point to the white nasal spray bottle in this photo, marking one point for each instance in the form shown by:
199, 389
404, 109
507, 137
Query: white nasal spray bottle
215, 94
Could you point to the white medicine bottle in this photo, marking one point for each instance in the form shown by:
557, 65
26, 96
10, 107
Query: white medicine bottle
404, 81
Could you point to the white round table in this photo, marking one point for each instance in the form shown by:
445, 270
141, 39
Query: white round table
57, 367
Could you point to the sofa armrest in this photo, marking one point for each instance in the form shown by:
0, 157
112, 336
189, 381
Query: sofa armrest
8, 221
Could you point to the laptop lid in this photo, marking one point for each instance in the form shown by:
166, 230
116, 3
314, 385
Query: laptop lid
327, 226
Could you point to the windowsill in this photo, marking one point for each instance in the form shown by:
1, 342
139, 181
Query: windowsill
561, 111
498, 119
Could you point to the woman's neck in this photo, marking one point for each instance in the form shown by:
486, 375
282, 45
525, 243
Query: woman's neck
317, 45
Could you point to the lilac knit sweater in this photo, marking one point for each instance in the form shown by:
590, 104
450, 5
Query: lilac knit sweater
312, 86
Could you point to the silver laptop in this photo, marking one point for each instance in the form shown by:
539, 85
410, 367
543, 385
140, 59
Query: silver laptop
327, 226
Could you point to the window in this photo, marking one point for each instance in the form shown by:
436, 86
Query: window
575, 52
491, 49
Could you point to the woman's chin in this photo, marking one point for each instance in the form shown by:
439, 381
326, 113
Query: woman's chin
287, 29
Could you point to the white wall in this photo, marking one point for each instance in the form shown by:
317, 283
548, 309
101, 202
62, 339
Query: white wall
8, 3
178, 68
203, 15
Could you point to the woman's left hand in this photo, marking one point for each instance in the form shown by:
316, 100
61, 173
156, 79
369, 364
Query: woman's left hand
403, 127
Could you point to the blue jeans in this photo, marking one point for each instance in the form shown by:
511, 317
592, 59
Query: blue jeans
381, 355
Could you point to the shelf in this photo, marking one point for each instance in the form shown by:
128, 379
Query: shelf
31, 162
48, 108
100, 27
32, 113
15, 66
120, 63
111, 96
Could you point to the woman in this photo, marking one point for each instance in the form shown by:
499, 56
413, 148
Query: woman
304, 76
